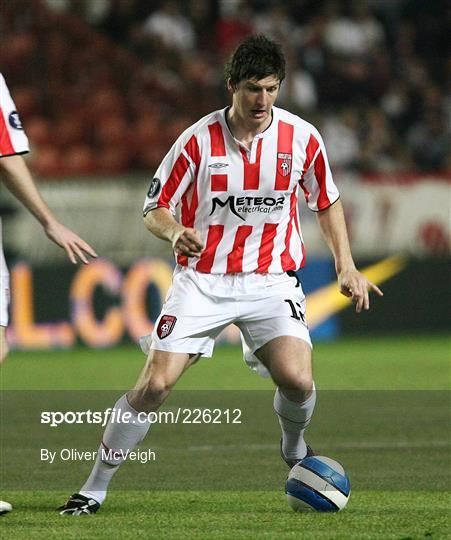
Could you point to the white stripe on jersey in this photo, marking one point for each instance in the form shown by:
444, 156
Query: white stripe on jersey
12, 136
244, 202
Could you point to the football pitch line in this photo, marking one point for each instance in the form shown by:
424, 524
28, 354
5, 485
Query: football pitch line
370, 445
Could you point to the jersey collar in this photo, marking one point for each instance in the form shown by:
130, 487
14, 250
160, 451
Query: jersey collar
264, 133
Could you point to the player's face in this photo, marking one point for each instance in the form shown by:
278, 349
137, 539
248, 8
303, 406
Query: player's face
253, 100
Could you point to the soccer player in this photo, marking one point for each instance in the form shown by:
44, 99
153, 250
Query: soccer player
17, 178
226, 197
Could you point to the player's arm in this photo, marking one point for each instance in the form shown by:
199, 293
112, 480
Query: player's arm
161, 203
352, 283
18, 180
184, 240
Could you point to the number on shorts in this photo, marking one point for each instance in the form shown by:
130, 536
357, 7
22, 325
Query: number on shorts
296, 310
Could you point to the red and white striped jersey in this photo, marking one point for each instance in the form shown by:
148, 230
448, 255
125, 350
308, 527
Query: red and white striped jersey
12, 136
244, 203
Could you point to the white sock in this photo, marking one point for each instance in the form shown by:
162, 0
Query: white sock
118, 436
294, 419
96, 485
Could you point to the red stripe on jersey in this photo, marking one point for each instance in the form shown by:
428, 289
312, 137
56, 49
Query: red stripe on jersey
192, 149
284, 155
188, 212
296, 219
217, 143
175, 178
6, 146
188, 215
306, 191
207, 257
286, 258
303, 255
217, 148
218, 182
252, 170
266, 247
320, 175
235, 258
310, 152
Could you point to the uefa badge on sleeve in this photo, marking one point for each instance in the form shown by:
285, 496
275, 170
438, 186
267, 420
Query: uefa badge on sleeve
154, 188
14, 120
284, 163
166, 325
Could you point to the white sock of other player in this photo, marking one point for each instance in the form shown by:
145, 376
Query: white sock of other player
120, 436
294, 419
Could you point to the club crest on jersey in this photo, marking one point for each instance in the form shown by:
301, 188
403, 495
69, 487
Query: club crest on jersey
166, 325
284, 163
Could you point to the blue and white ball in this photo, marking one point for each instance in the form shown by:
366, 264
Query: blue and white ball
317, 483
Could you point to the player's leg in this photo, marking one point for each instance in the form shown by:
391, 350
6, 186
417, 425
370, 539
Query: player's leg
4, 302
288, 359
276, 340
3, 344
177, 329
161, 372
5, 507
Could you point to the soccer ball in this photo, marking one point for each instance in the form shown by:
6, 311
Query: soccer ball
317, 483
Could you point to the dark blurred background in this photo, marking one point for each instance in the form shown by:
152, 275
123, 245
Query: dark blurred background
106, 86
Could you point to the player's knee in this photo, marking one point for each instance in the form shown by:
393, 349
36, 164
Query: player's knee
159, 386
151, 395
298, 382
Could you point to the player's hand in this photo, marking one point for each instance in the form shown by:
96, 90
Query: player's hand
187, 242
354, 285
75, 247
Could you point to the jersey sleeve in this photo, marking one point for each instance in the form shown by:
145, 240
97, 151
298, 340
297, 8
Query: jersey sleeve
174, 175
12, 136
317, 182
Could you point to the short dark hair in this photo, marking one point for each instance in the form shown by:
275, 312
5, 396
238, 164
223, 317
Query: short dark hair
255, 57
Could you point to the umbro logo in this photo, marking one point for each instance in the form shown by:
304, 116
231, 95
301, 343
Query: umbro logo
218, 165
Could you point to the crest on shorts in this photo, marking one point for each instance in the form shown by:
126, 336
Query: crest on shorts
166, 325
284, 163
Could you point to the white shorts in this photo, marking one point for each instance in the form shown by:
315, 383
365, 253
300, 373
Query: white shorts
199, 306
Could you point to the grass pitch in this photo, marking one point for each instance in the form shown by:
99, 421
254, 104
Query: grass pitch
383, 413
232, 515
